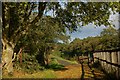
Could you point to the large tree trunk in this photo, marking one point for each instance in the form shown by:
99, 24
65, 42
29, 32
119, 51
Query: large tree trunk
7, 56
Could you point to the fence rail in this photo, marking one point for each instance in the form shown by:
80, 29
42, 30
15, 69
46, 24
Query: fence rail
109, 60
116, 65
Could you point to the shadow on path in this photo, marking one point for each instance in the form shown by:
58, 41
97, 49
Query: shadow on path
89, 72
83, 73
92, 71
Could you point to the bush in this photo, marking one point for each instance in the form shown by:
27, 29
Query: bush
29, 64
55, 65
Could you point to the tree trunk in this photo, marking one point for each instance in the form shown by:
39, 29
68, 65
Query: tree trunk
40, 57
19, 56
7, 55
47, 59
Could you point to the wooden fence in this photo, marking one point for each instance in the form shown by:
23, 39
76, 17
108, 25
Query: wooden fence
109, 60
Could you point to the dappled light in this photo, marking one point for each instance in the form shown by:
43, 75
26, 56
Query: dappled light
36, 43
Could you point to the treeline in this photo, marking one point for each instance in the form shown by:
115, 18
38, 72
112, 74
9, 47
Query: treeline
108, 40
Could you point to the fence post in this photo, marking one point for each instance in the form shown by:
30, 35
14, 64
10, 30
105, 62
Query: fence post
109, 60
104, 63
95, 55
114, 60
101, 57
118, 64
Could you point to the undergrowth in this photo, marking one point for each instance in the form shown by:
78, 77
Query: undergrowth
29, 64
54, 65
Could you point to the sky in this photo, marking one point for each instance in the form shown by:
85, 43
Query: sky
92, 30
85, 31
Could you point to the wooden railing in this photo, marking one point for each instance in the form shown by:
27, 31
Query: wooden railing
109, 60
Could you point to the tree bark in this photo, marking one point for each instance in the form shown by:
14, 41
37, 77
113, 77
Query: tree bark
7, 55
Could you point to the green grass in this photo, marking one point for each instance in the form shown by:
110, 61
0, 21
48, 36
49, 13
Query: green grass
49, 74
56, 57
55, 65
42, 74
57, 54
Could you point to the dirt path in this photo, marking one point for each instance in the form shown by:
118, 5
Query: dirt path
82, 71
73, 71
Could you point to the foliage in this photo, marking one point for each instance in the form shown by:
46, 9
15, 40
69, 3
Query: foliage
57, 53
29, 64
54, 64
80, 13
108, 40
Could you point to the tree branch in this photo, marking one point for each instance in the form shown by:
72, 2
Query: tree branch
41, 9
